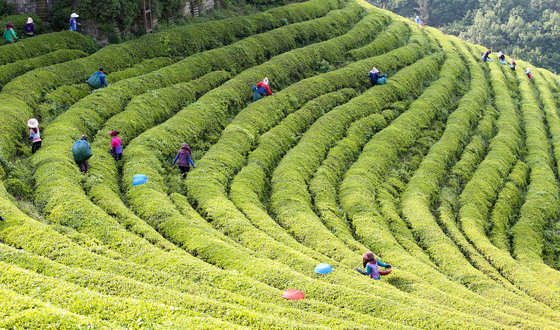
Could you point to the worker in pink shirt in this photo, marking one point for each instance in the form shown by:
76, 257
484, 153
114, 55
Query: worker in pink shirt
116, 148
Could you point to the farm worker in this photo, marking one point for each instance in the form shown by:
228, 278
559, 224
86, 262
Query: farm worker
374, 76
102, 77
528, 73
183, 159
371, 265
82, 153
485, 56
501, 56
417, 20
512, 64
34, 134
9, 33
29, 27
116, 148
261, 90
73, 22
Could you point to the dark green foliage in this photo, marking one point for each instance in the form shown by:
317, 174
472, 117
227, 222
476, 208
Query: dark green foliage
6, 8
522, 29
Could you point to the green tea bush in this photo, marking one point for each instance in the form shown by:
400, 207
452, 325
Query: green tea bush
12, 70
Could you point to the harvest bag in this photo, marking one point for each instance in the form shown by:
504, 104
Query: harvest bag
94, 81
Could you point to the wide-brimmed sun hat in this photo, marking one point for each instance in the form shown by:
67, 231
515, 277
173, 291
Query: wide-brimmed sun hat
74, 15
113, 133
32, 123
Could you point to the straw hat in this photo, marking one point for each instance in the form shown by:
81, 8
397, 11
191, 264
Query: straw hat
32, 123
74, 15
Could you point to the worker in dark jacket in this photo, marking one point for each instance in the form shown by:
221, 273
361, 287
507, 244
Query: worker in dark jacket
512, 65
29, 27
374, 76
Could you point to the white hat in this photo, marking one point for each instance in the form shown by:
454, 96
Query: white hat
374, 70
29, 20
265, 81
32, 123
74, 15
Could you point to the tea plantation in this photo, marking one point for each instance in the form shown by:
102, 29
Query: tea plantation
448, 172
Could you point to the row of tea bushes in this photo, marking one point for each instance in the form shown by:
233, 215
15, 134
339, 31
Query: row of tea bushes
24, 92
12, 70
484, 186
359, 205
44, 44
54, 103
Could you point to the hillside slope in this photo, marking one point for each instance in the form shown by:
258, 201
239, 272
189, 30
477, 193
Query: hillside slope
448, 172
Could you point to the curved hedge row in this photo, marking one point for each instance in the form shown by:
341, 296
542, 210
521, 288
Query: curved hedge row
44, 44
440, 172
12, 70
25, 91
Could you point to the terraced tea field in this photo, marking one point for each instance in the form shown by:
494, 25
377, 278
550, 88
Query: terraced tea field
449, 172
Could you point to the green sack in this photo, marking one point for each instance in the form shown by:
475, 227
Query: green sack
94, 81
81, 151
256, 96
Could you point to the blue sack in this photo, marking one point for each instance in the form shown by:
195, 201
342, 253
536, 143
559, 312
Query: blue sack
323, 269
502, 62
381, 81
94, 81
139, 179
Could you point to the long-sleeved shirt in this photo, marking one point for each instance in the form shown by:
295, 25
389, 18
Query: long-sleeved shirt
29, 28
374, 77
262, 88
10, 36
372, 269
73, 24
116, 145
183, 159
103, 79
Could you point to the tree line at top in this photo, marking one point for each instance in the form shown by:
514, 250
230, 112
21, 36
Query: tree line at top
524, 29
